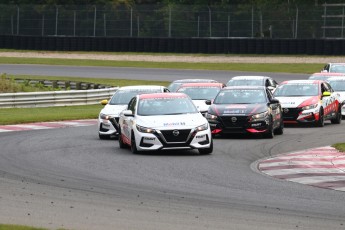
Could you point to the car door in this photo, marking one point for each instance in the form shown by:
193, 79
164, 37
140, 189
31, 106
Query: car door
127, 121
275, 109
329, 103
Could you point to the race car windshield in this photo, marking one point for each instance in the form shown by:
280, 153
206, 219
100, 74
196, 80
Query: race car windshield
243, 82
122, 97
338, 85
241, 96
296, 90
166, 106
337, 69
173, 87
200, 93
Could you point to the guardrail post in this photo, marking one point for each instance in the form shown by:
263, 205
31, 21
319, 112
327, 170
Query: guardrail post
67, 85
78, 86
54, 84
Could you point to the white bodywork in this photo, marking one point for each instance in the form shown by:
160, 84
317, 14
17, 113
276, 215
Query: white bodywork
105, 127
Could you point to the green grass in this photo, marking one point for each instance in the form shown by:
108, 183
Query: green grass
28, 115
17, 227
339, 146
261, 67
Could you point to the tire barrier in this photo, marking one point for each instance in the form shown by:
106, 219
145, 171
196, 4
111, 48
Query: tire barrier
177, 45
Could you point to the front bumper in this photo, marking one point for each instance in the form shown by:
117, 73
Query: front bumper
297, 115
164, 140
227, 125
108, 127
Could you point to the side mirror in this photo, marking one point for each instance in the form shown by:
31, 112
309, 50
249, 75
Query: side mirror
128, 113
104, 102
326, 94
208, 102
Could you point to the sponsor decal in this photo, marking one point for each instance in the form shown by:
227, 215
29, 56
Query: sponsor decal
234, 111
201, 136
174, 123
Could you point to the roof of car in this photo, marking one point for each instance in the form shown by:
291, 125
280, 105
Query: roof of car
161, 95
245, 87
203, 84
249, 77
302, 82
336, 78
337, 63
327, 74
132, 87
194, 80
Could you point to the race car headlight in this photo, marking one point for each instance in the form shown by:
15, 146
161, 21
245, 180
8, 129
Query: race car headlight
310, 107
143, 129
260, 116
210, 116
202, 127
104, 116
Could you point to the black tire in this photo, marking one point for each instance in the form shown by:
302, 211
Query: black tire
103, 137
338, 117
122, 145
280, 129
321, 121
270, 131
206, 151
133, 144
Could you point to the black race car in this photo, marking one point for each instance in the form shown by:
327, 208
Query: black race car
245, 109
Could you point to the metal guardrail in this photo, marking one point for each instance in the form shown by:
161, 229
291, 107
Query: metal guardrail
55, 98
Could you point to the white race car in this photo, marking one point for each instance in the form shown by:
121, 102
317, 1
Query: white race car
309, 101
109, 116
200, 93
164, 121
338, 85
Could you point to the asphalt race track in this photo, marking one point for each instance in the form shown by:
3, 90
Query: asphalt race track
68, 178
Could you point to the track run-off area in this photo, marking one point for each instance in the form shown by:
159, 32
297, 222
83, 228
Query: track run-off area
65, 177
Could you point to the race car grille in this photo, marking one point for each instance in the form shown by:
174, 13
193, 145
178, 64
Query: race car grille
234, 121
291, 114
175, 135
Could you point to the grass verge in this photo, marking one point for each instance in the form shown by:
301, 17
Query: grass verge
17, 227
28, 115
255, 67
339, 146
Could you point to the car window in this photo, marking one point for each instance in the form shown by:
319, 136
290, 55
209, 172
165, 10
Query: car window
269, 94
200, 93
296, 90
338, 85
328, 87
132, 104
166, 106
241, 96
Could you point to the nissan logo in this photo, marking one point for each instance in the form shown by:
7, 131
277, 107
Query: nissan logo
176, 133
233, 119
286, 110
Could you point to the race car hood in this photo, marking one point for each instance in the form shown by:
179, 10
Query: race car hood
113, 110
182, 121
201, 105
295, 102
237, 109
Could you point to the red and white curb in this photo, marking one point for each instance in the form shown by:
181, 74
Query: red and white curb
47, 125
322, 167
